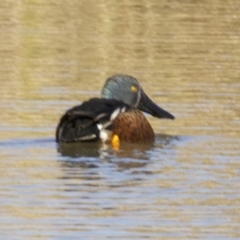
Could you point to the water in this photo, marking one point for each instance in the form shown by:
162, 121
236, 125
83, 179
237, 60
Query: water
56, 54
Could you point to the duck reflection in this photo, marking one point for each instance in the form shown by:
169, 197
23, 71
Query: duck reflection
90, 155
129, 155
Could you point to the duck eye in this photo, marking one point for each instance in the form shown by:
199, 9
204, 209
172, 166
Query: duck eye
134, 88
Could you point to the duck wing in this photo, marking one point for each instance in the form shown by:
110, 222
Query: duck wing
86, 121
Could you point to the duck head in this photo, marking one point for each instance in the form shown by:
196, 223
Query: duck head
128, 90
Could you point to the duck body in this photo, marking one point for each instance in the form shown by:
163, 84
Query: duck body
116, 113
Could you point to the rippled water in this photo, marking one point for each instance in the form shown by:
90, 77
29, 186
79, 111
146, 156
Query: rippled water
55, 54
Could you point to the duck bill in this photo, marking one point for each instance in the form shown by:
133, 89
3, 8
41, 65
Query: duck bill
148, 106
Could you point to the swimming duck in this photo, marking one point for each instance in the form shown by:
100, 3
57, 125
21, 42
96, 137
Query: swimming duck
114, 117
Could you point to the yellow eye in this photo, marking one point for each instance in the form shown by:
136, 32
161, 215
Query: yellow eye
133, 88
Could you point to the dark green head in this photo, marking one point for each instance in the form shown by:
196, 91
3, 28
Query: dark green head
127, 89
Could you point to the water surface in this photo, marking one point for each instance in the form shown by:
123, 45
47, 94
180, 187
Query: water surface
55, 54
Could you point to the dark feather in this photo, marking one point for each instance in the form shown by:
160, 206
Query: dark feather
80, 122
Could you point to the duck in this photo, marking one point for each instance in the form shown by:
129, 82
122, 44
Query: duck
114, 117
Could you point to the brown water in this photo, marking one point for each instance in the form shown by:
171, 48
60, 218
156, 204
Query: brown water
55, 54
